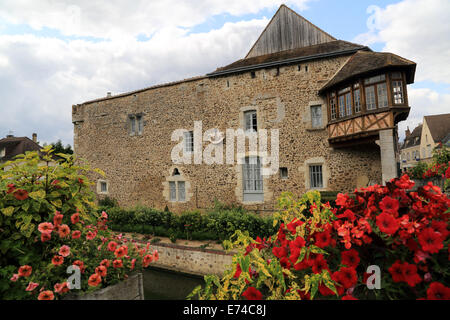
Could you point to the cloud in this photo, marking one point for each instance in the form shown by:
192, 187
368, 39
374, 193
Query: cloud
418, 30
424, 102
118, 19
40, 78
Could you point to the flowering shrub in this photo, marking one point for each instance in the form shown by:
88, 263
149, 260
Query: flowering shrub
48, 223
323, 252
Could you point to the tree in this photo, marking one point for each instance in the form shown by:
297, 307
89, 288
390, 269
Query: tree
59, 148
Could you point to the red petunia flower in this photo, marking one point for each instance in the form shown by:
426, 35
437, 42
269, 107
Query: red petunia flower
11, 188
389, 205
410, 274
396, 271
64, 251
319, 263
252, 294
46, 237
91, 235
112, 246
63, 230
75, 218
348, 277
350, 258
25, 271
279, 252
105, 262
79, 264
57, 260
121, 251
21, 194
57, 218
387, 223
31, 286
94, 280
76, 234
101, 270
437, 291
61, 287
45, 227
323, 239
117, 263
46, 295
430, 240
147, 260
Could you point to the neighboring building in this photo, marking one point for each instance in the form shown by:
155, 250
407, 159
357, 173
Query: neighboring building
336, 105
419, 145
410, 150
435, 131
12, 146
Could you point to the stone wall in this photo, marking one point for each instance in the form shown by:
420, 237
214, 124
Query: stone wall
196, 261
138, 168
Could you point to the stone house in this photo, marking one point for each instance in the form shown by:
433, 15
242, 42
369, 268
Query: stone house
12, 146
330, 109
419, 145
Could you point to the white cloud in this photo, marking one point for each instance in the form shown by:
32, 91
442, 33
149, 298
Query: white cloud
118, 18
418, 30
424, 102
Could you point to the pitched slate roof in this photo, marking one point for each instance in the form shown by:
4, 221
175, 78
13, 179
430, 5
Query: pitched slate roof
439, 126
414, 138
17, 145
331, 48
364, 62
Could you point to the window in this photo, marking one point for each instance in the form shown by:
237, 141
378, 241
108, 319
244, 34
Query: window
2, 152
341, 106
253, 74
250, 119
103, 187
345, 102
316, 116
189, 141
306, 68
357, 99
283, 173
348, 104
136, 124
408, 156
253, 182
333, 106
382, 95
397, 88
375, 79
315, 176
370, 98
177, 191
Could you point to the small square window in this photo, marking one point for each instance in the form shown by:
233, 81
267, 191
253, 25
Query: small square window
103, 186
253, 74
283, 173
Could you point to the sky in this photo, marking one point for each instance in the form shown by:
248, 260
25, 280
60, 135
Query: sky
54, 54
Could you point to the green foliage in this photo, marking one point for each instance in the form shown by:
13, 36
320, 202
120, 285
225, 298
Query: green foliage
418, 170
107, 203
219, 223
47, 187
59, 148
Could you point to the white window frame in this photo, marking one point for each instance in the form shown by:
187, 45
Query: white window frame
188, 141
100, 183
250, 121
252, 179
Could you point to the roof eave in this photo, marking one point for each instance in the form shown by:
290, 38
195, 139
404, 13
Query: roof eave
286, 61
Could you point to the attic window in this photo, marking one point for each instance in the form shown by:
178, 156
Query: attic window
253, 74
283, 173
176, 172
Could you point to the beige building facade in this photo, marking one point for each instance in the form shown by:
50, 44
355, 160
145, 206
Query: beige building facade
287, 92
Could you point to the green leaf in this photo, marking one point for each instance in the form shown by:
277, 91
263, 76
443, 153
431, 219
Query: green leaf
8, 211
37, 195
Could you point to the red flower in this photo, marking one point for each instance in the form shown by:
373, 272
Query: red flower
252, 294
319, 263
410, 274
57, 260
75, 218
101, 270
21, 194
437, 291
79, 264
25, 271
350, 258
11, 188
430, 240
389, 205
348, 297
64, 251
57, 218
348, 277
45, 227
147, 260
94, 280
46, 236
117, 263
105, 262
76, 234
46, 295
120, 252
396, 271
387, 223
61, 287
238, 271
323, 239
31, 286
64, 230
279, 252
112, 246
285, 264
